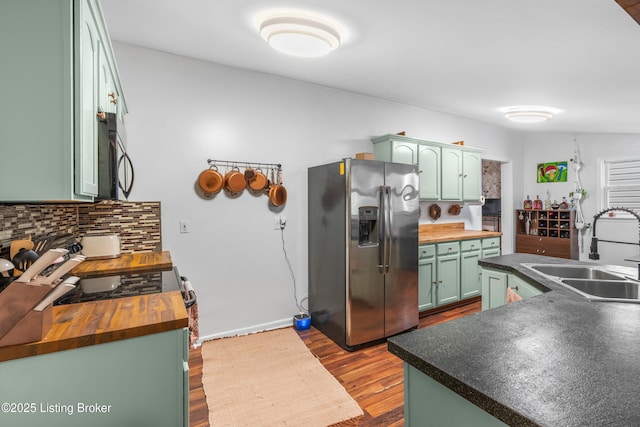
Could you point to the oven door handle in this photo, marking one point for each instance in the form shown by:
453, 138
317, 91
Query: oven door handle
189, 294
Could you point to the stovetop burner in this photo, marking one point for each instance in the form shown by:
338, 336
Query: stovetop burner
122, 285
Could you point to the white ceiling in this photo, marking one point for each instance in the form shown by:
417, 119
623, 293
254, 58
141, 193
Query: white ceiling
465, 57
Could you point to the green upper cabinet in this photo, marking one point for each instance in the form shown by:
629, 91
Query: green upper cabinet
451, 174
52, 56
447, 171
404, 152
429, 166
471, 175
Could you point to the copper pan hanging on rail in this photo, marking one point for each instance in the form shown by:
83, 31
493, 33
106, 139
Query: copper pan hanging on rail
277, 192
210, 180
234, 180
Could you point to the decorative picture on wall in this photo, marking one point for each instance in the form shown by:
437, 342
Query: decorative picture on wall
552, 172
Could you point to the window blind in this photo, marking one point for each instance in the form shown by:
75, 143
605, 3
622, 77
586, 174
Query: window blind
622, 183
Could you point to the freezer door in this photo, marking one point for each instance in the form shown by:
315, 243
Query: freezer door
365, 284
401, 279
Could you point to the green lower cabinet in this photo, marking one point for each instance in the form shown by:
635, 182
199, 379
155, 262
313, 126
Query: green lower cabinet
141, 381
448, 273
470, 285
429, 403
522, 288
494, 288
426, 277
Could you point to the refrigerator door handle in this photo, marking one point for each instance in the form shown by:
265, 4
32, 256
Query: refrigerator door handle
382, 247
387, 227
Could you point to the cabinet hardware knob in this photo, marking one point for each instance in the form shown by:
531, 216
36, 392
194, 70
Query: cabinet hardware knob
464, 176
101, 115
112, 95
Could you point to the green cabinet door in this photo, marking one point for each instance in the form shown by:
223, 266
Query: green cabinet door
404, 152
472, 175
470, 285
429, 403
429, 165
448, 271
426, 276
522, 288
451, 173
142, 381
86, 160
52, 51
494, 288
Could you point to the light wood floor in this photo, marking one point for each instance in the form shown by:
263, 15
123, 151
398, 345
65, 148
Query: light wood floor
372, 376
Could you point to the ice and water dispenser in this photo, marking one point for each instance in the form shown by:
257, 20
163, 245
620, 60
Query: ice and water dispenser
368, 231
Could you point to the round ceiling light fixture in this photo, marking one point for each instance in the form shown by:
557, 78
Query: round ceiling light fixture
529, 114
299, 35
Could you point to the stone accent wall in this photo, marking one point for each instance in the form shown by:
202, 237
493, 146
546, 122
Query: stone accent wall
137, 223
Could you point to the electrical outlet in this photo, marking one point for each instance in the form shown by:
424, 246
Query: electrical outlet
279, 223
184, 226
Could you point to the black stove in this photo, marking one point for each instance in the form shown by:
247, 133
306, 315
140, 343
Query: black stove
127, 285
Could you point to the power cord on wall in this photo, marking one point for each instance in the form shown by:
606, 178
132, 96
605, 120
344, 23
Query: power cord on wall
293, 276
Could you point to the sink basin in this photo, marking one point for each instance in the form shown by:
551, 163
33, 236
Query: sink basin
606, 289
591, 281
575, 271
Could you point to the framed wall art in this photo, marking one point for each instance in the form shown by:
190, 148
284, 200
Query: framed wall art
552, 172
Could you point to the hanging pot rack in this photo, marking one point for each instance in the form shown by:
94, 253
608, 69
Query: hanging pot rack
234, 163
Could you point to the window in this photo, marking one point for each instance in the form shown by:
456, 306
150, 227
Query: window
621, 183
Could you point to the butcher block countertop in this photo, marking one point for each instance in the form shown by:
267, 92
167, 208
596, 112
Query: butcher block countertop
90, 323
437, 233
138, 261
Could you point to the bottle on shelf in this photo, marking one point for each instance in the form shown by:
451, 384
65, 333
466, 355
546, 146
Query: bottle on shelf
564, 204
527, 203
547, 201
537, 203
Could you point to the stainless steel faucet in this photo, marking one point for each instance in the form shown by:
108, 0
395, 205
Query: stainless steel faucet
594, 240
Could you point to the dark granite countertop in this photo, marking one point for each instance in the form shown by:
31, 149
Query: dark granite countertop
556, 359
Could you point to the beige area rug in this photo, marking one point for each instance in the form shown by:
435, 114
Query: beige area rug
272, 379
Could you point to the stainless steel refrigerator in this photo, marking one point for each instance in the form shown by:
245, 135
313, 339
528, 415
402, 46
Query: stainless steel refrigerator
363, 250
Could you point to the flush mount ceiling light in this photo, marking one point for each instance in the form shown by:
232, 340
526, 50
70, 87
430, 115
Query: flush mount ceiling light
529, 114
299, 35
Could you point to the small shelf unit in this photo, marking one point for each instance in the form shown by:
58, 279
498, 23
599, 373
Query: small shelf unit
551, 232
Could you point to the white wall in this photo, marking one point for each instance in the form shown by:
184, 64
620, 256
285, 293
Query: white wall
551, 147
184, 111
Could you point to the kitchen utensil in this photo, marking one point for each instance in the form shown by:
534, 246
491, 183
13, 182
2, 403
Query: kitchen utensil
17, 245
249, 174
210, 180
259, 181
6, 268
63, 269
434, 211
277, 192
57, 292
234, 180
23, 260
41, 263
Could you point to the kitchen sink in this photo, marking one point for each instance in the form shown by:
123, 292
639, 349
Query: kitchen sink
606, 289
575, 271
591, 281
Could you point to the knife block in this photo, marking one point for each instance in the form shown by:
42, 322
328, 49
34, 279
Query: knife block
19, 322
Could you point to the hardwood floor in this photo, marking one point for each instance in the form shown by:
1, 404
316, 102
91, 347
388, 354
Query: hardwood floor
372, 376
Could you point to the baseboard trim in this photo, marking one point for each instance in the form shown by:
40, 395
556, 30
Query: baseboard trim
276, 324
